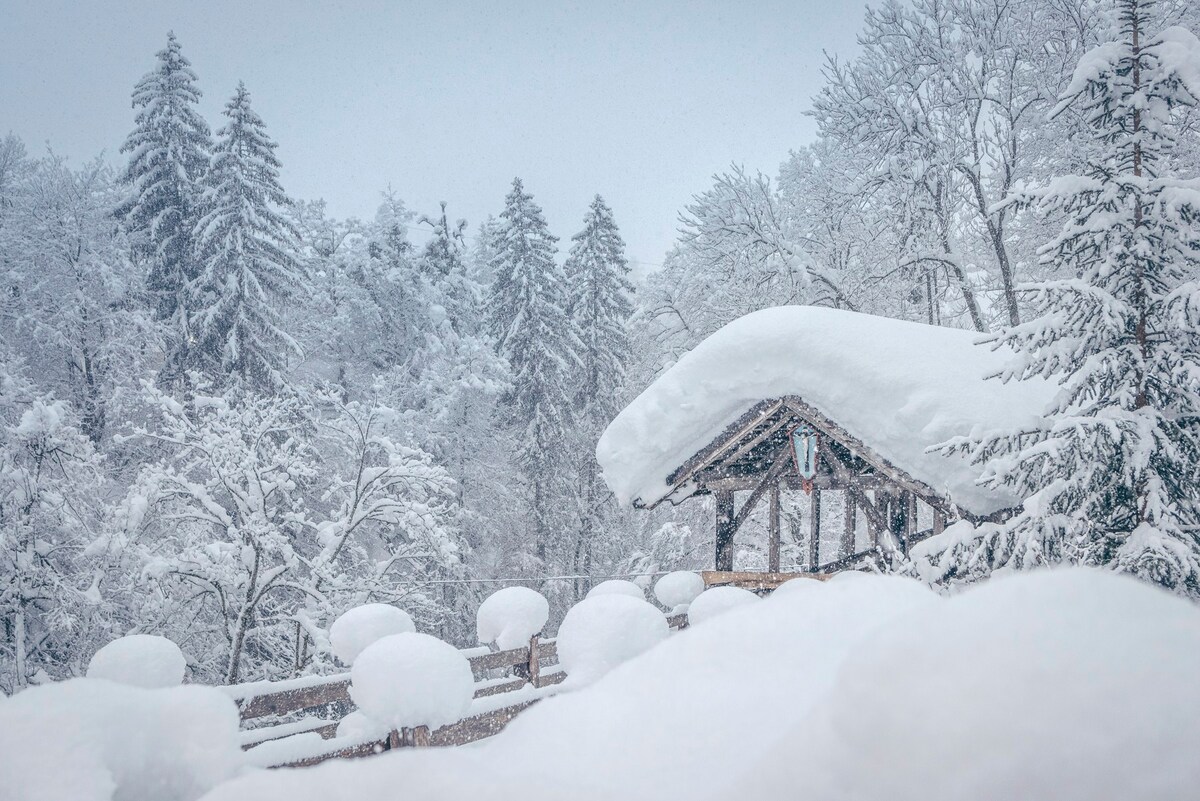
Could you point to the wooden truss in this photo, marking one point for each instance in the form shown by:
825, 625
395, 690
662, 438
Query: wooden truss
753, 455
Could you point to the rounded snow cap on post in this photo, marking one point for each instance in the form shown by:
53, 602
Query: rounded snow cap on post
139, 660
357, 628
601, 632
617, 587
511, 616
717, 600
678, 589
409, 680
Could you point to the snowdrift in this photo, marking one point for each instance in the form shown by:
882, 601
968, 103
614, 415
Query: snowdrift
1054, 685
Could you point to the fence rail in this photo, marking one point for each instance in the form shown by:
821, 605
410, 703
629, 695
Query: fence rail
531, 674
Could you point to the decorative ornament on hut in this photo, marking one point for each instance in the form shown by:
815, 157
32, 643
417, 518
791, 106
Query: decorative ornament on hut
804, 452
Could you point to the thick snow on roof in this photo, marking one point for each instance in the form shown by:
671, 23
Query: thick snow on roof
898, 387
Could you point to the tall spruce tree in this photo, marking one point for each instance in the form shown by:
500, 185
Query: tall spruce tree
246, 248
597, 274
169, 153
1111, 474
527, 316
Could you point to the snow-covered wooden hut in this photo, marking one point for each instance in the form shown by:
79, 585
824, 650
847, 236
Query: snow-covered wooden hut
805, 399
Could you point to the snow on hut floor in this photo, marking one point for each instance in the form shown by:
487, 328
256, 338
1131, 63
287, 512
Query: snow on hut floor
1055, 685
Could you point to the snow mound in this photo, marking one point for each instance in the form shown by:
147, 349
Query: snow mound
511, 616
357, 628
357, 725
139, 660
868, 374
717, 600
796, 586
676, 590
1051, 685
617, 587
97, 740
601, 632
410, 680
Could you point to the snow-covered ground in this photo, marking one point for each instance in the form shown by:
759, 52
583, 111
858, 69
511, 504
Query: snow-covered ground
1054, 685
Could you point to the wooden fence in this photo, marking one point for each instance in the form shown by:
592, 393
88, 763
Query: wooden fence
271, 711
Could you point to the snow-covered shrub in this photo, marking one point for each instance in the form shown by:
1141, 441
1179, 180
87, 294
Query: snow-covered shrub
410, 679
617, 587
511, 616
678, 589
96, 740
363, 625
601, 632
717, 600
139, 660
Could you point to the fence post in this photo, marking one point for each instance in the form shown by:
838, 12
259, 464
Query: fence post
535, 667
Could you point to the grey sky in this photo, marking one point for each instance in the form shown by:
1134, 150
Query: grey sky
639, 101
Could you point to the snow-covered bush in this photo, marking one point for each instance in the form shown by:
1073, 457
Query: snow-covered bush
678, 589
617, 587
363, 625
139, 660
95, 740
601, 632
511, 616
717, 600
410, 679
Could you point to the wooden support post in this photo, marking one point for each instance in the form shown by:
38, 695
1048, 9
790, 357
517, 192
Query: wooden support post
851, 521
910, 521
535, 666
773, 530
725, 530
814, 529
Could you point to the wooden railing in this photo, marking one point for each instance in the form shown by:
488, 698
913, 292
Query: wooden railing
316, 704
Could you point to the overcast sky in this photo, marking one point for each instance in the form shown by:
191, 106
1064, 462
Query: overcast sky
639, 101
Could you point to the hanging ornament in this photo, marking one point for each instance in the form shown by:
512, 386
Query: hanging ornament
804, 452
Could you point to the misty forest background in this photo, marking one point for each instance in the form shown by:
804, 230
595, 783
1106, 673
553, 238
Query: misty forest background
230, 417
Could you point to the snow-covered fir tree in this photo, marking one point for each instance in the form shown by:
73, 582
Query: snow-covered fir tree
600, 304
528, 317
168, 158
1111, 474
246, 246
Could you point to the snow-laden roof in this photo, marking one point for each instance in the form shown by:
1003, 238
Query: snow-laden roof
898, 387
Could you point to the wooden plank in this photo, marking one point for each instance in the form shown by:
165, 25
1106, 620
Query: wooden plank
773, 530
939, 522
751, 580
500, 659
477, 727
283, 702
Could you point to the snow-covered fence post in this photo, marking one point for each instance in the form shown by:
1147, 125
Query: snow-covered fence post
412, 684
511, 618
